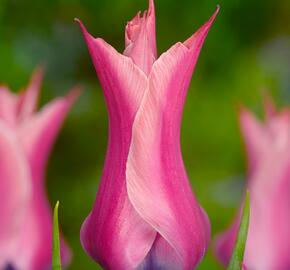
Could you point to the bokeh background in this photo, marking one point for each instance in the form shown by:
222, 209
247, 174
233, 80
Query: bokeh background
246, 53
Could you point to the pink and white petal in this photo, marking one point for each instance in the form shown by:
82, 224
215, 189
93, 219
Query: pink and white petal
38, 132
157, 183
140, 36
161, 256
156, 178
268, 239
113, 234
255, 137
27, 102
278, 131
281, 222
8, 105
15, 190
122, 81
244, 267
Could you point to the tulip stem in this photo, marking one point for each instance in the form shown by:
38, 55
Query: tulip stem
56, 261
236, 262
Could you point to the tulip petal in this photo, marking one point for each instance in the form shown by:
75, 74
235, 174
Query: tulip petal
104, 234
161, 256
121, 80
25, 216
8, 102
39, 131
253, 133
267, 245
37, 134
269, 107
113, 234
140, 36
225, 242
157, 183
27, 102
268, 238
278, 130
15, 190
195, 42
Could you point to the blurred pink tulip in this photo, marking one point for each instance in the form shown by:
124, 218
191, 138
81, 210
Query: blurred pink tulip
268, 148
145, 215
26, 139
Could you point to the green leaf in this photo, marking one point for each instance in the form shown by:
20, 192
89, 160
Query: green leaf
239, 250
56, 261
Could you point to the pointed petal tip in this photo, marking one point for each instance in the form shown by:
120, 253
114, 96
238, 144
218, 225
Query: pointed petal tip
39, 72
151, 8
218, 7
77, 20
28, 97
74, 94
37, 77
140, 38
89, 39
212, 18
208, 24
83, 28
269, 105
241, 108
245, 116
197, 39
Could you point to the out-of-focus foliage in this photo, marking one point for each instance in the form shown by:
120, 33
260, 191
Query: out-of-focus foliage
246, 53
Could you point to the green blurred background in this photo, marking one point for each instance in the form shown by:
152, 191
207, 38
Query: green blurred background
246, 53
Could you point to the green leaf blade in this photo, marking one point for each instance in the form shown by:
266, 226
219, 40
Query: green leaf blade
56, 260
236, 262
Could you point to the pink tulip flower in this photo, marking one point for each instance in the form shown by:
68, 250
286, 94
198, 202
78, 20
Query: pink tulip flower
26, 139
268, 148
145, 215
